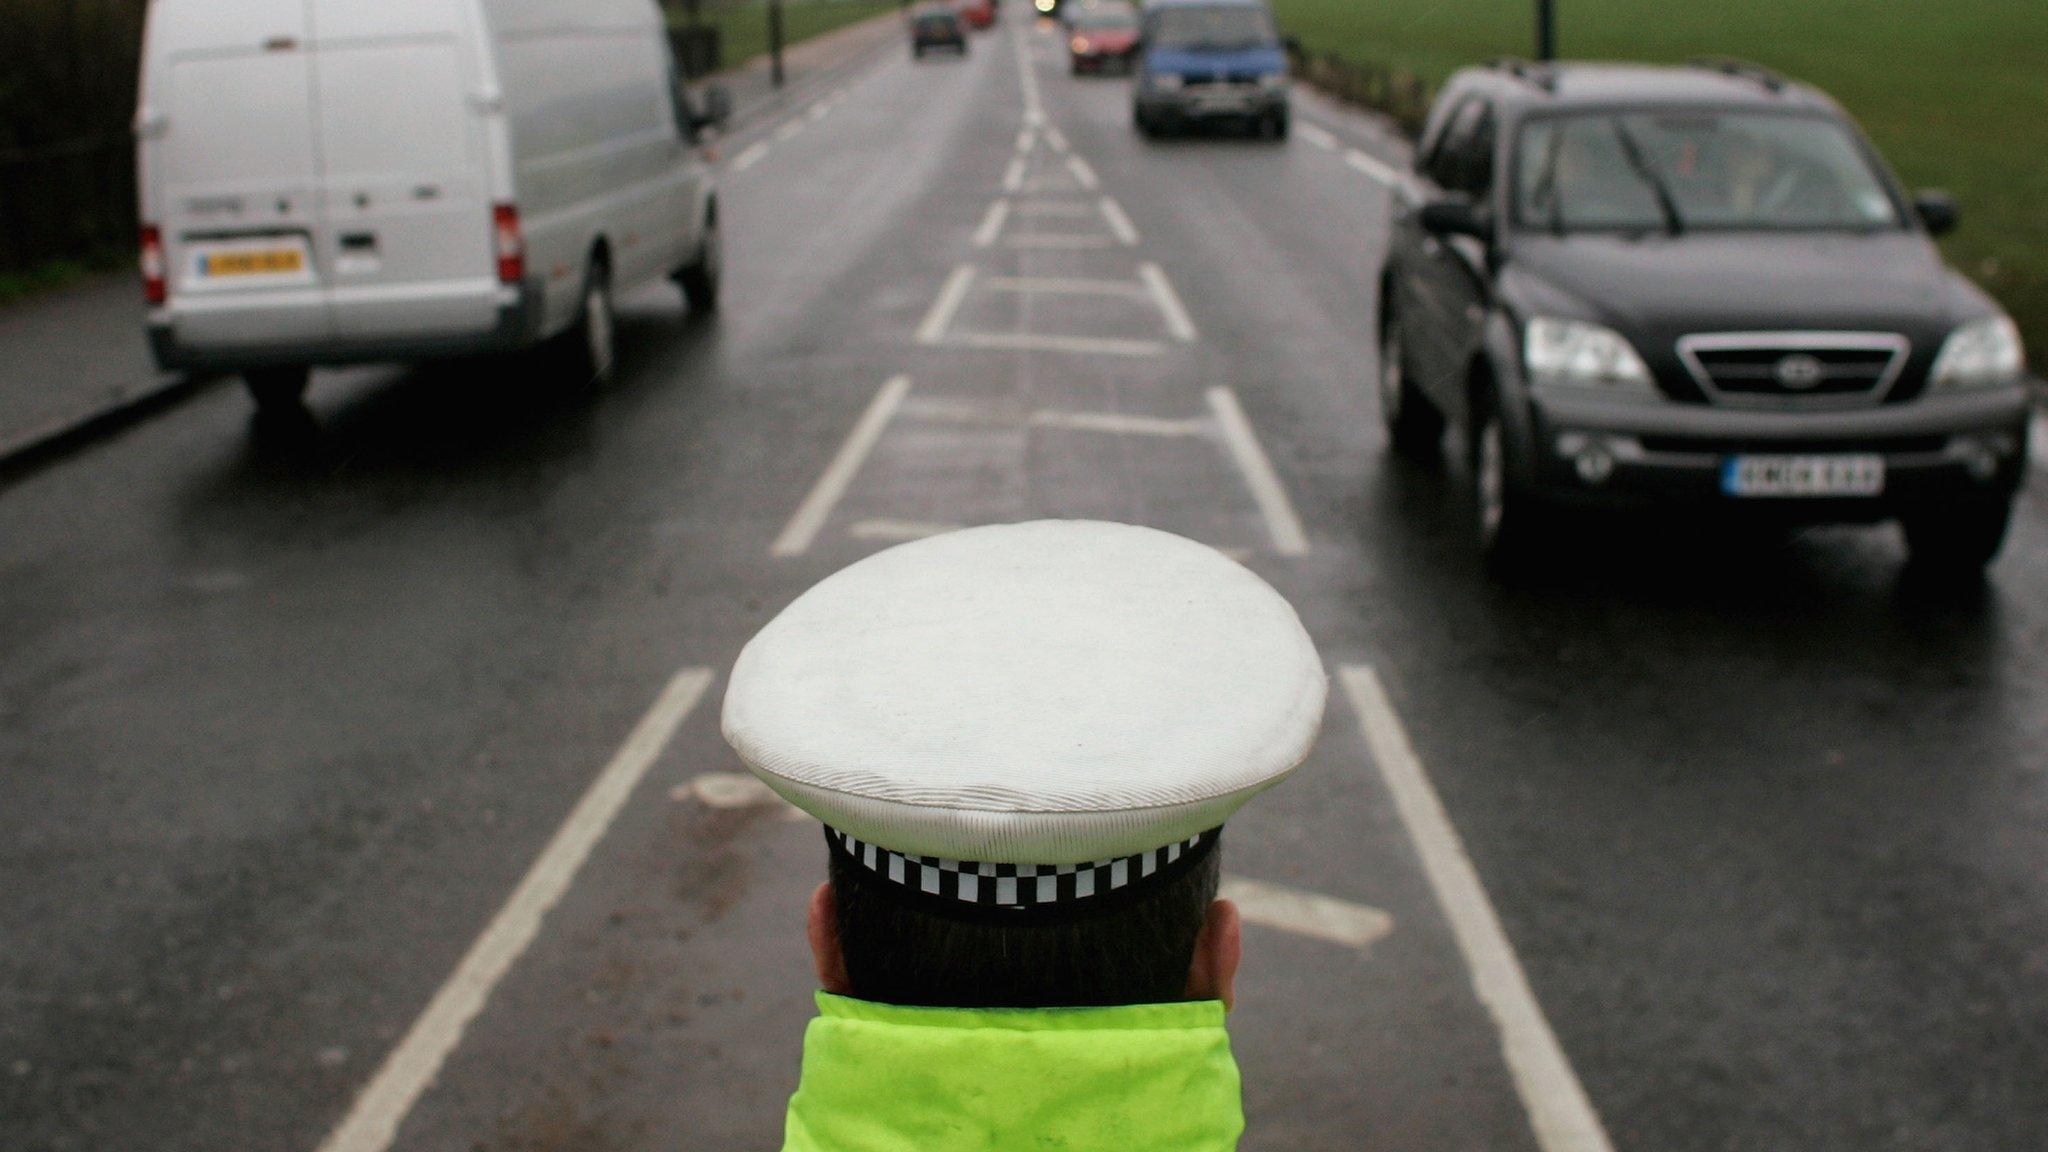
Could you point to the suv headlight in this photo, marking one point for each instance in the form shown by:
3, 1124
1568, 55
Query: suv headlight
1166, 81
1981, 354
1572, 352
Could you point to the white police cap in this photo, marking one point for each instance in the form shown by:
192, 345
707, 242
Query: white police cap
1061, 698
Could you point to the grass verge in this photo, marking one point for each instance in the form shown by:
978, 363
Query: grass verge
743, 28
1952, 93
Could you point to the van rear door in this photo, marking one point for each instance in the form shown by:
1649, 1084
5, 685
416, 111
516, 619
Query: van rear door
235, 169
406, 226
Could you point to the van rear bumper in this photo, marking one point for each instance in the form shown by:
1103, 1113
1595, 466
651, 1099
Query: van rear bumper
279, 332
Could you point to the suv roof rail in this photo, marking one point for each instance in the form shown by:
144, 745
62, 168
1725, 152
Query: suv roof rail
1730, 66
1538, 74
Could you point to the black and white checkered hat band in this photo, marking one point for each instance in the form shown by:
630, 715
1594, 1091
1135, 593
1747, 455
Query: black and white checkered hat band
1012, 885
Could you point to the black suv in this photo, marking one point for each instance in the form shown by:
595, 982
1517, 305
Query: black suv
1697, 286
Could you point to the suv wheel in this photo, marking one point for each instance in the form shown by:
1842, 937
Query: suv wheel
1957, 540
1414, 424
277, 389
1508, 518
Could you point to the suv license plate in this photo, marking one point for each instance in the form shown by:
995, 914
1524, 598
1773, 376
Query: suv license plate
1796, 476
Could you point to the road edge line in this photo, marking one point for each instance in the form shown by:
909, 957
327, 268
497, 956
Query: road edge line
1178, 322
810, 516
1268, 493
1560, 1113
372, 1122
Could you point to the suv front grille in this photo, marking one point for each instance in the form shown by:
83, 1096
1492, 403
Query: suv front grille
1795, 369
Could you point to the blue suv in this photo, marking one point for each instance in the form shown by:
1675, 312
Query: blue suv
1210, 61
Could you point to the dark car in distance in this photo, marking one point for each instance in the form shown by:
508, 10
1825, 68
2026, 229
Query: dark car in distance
934, 26
1695, 289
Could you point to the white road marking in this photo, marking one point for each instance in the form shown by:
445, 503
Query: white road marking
1083, 172
1119, 423
1056, 286
1316, 136
1033, 342
1561, 1115
1056, 138
817, 506
1178, 321
1027, 139
1069, 240
1050, 184
734, 792
950, 410
992, 224
820, 110
1013, 176
949, 300
1034, 107
749, 156
372, 1122
898, 529
2038, 450
1377, 169
1267, 492
1307, 913
789, 130
1067, 208
1119, 222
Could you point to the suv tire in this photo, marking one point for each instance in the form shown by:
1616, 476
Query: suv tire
1957, 540
587, 351
1509, 520
1413, 423
700, 279
277, 389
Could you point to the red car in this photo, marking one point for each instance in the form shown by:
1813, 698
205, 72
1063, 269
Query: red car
1103, 35
977, 13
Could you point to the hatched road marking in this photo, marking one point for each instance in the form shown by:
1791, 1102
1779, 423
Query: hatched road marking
950, 297
1119, 222
811, 515
1560, 1113
1056, 285
1177, 320
1061, 240
1033, 342
897, 529
1013, 176
1119, 423
750, 156
992, 224
1083, 172
1307, 913
1377, 169
372, 1121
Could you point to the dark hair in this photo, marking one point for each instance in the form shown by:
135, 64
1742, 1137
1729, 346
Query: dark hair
900, 948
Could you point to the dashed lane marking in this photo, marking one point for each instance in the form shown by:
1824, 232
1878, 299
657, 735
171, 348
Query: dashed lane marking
749, 156
1307, 913
1013, 176
1559, 1111
817, 506
1119, 423
992, 224
950, 297
1062, 240
1316, 136
1034, 106
1379, 170
820, 110
1057, 285
1268, 493
898, 530
372, 1121
1034, 342
1083, 172
1056, 138
1027, 139
1178, 322
1119, 222
789, 130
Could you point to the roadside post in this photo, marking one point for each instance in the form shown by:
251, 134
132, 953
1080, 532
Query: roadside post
1546, 30
775, 42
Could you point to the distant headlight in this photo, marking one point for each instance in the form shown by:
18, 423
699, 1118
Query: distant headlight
1273, 80
1981, 354
1571, 352
1167, 81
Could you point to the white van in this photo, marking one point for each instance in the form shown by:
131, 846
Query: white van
341, 181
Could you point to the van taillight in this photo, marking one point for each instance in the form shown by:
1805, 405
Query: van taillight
510, 242
155, 287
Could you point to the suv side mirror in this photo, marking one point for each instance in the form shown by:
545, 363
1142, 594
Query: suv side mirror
1937, 211
1455, 216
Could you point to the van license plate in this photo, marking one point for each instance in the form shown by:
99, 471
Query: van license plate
1796, 476
252, 262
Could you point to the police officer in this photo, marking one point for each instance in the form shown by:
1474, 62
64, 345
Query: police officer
1023, 742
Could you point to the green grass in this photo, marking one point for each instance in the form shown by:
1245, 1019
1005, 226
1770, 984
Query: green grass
743, 28
1954, 92
53, 274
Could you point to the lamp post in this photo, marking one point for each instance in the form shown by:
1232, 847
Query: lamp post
1546, 30
775, 42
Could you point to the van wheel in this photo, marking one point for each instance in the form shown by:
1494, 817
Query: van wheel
1956, 541
1413, 423
588, 350
277, 389
700, 278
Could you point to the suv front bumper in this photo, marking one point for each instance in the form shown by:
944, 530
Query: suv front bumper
1212, 102
1935, 449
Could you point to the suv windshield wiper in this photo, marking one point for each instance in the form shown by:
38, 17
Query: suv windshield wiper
1672, 220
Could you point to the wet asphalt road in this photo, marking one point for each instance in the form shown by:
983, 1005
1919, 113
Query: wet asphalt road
287, 713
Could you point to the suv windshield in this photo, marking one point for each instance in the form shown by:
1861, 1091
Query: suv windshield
1671, 171
1219, 27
